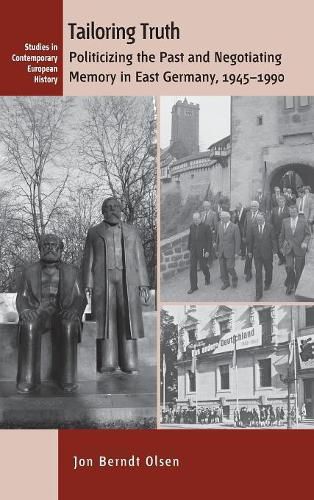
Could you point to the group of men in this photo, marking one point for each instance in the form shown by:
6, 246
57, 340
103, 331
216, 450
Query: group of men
278, 226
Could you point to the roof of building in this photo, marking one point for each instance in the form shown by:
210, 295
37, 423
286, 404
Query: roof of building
195, 156
221, 143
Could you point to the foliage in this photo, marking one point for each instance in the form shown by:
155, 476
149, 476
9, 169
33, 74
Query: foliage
169, 349
59, 158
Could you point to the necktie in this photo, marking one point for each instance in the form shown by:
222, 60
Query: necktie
260, 229
225, 227
280, 209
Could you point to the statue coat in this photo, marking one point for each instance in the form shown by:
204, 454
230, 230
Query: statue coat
95, 275
71, 295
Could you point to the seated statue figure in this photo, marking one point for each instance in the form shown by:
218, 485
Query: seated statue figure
50, 298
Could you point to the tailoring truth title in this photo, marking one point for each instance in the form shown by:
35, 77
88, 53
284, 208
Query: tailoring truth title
92, 31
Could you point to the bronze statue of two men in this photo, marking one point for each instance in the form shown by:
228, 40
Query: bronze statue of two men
52, 296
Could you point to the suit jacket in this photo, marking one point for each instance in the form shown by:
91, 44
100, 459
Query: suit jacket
71, 296
274, 200
263, 245
290, 201
95, 276
276, 219
263, 203
289, 242
308, 207
249, 222
228, 242
200, 239
240, 220
210, 218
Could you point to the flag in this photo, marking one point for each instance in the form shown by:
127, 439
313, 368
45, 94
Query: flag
164, 366
291, 352
234, 356
193, 366
292, 346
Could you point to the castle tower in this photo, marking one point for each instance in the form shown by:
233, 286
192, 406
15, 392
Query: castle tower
185, 128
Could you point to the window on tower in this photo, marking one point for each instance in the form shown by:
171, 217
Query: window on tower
304, 100
260, 120
289, 102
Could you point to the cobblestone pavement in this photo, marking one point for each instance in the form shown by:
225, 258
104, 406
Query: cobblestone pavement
175, 289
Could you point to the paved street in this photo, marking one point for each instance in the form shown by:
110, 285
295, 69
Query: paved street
230, 425
175, 290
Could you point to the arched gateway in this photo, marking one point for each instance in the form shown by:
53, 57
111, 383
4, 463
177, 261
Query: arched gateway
291, 175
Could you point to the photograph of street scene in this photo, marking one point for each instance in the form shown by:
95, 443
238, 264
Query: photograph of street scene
237, 203
237, 367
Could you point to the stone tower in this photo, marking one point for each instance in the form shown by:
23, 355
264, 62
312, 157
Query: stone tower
184, 129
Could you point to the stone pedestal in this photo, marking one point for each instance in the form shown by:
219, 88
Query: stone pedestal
116, 400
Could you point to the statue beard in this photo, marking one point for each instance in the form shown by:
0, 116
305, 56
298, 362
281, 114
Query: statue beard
113, 220
50, 258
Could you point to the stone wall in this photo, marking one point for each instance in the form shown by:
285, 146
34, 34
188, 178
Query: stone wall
264, 137
174, 256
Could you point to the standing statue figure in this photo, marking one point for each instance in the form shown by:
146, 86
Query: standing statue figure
115, 276
50, 297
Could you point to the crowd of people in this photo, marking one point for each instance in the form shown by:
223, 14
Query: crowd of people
271, 228
205, 415
259, 416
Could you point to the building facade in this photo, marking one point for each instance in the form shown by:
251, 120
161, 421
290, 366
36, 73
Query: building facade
212, 372
305, 358
272, 144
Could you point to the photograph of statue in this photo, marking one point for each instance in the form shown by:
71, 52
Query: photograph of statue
78, 262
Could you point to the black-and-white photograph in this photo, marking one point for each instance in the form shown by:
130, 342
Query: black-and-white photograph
78, 262
237, 367
237, 203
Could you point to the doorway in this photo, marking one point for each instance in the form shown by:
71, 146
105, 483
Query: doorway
292, 176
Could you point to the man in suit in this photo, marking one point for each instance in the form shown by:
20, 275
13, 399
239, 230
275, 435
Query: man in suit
275, 197
263, 201
308, 191
290, 197
115, 276
305, 205
209, 218
228, 245
50, 297
278, 214
250, 221
200, 247
293, 240
262, 245
239, 219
